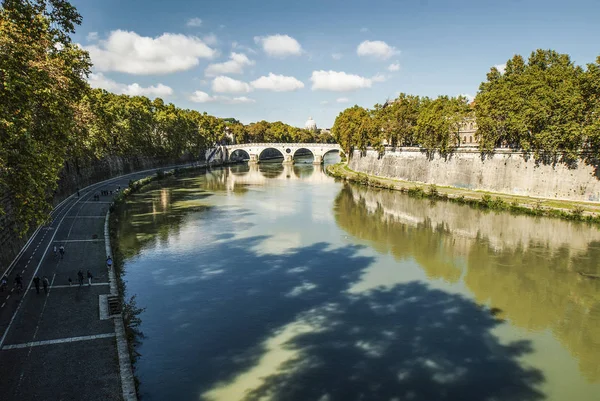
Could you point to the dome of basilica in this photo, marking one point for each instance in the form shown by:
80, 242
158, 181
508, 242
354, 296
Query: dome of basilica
310, 124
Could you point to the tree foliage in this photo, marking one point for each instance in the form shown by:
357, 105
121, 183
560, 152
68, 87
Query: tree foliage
42, 79
544, 105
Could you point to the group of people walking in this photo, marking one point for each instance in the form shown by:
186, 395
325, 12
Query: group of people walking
80, 278
59, 252
45, 283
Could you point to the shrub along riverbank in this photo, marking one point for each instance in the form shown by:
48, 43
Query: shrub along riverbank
568, 210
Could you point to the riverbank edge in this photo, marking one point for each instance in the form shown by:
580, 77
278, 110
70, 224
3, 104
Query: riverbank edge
126, 325
532, 206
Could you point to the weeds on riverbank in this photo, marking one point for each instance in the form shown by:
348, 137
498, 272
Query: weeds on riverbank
486, 202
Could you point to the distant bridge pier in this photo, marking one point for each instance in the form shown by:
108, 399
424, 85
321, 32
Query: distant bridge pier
253, 158
288, 159
318, 159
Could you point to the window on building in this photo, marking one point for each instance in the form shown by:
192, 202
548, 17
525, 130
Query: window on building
465, 139
470, 139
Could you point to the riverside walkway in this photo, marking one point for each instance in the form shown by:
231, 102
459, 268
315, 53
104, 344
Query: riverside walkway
58, 346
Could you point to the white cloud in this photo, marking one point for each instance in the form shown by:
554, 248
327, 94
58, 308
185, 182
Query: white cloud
501, 67
376, 49
469, 97
379, 78
364, 29
210, 39
342, 100
324, 101
131, 53
235, 65
394, 67
277, 83
221, 26
98, 80
222, 84
336, 56
338, 81
241, 99
203, 97
92, 36
279, 45
194, 22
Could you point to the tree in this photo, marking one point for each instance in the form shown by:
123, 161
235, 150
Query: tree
397, 120
42, 79
538, 105
439, 121
354, 128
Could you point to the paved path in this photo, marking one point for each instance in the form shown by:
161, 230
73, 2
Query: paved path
54, 346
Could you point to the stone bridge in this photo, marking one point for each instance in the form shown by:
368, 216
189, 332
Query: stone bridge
287, 150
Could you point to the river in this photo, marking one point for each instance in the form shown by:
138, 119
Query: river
275, 282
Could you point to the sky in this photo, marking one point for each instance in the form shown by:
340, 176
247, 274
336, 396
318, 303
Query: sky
288, 60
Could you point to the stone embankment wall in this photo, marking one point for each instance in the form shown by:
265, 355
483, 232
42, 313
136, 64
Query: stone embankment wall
75, 174
504, 171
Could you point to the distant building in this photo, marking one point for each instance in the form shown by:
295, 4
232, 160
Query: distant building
310, 124
467, 131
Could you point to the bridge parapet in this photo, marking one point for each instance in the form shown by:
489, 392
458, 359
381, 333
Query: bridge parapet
288, 150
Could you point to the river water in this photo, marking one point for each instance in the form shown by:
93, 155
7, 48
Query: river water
275, 282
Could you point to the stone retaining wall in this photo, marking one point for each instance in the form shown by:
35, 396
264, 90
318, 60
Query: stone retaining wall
504, 171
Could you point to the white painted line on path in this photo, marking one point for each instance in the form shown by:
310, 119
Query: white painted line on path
12, 319
85, 217
74, 285
58, 341
82, 240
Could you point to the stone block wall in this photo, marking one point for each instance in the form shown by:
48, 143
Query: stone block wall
504, 171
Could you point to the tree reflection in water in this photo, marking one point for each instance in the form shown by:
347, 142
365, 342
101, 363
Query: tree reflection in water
528, 268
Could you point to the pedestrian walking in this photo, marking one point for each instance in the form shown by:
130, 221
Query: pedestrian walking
78, 192
46, 284
55, 252
62, 251
80, 277
36, 282
4, 283
19, 282
70, 282
109, 262
89, 276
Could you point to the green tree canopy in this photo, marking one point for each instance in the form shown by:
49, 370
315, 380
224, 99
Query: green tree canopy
42, 79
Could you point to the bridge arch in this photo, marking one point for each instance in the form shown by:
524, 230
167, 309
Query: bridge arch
303, 152
261, 157
239, 155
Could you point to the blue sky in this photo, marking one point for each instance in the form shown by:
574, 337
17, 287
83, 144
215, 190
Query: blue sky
315, 58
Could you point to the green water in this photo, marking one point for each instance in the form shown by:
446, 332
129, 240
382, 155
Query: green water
275, 282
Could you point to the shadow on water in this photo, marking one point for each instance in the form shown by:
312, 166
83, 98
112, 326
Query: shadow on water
408, 342
210, 320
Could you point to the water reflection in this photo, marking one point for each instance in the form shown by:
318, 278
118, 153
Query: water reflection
238, 177
231, 317
526, 267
